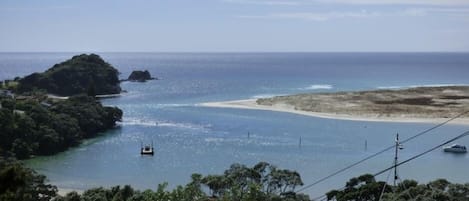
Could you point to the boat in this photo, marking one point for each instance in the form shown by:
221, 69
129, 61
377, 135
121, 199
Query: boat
455, 148
147, 150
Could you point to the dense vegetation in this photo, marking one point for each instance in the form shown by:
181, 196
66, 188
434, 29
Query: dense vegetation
263, 182
239, 183
35, 126
18, 183
140, 76
365, 187
81, 74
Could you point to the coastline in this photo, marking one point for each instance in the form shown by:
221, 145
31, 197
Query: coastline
52, 96
252, 105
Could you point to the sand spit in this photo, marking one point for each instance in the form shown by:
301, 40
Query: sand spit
422, 104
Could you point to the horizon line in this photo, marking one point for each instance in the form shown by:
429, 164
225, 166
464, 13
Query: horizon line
222, 52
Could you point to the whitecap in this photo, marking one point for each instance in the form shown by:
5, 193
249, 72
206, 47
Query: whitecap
156, 123
138, 122
265, 96
317, 87
184, 125
214, 139
391, 87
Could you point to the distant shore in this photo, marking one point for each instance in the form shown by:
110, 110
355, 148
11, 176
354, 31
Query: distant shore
52, 96
340, 108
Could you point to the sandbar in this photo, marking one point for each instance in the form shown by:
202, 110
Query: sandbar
416, 112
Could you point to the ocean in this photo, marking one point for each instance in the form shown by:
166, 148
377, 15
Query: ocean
189, 138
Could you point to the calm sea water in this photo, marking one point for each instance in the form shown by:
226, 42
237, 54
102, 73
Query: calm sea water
190, 138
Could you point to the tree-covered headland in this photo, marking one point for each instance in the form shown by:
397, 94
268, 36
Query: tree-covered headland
33, 124
40, 127
80, 74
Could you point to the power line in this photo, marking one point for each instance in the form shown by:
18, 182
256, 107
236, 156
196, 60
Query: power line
423, 153
380, 152
412, 158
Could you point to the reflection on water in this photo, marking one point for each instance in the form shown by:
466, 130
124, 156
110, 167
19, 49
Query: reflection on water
208, 140
189, 138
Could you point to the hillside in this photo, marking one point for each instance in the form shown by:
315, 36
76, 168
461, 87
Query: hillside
88, 74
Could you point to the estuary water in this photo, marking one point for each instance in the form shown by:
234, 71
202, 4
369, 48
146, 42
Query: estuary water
193, 139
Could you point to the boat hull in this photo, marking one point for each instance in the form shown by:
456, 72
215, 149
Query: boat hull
147, 152
454, 150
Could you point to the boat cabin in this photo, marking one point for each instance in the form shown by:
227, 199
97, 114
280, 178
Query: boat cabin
147, 150
455, 148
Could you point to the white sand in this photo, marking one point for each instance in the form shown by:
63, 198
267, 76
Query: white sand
252, 105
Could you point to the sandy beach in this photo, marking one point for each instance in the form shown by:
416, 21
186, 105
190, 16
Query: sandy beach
252, 105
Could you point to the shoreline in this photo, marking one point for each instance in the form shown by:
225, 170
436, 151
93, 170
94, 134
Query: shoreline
252, 105
102, 96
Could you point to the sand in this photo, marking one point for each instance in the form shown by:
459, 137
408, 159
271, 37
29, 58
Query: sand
252, 105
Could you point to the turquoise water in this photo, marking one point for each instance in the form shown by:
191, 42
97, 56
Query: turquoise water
189, 138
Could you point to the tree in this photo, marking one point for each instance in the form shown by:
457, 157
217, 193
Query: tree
45, 129
18, 183
363, 187
78, 75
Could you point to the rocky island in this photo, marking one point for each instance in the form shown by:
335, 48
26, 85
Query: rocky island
140, 76
82, 74
421, 104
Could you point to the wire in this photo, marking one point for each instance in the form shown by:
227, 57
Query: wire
425, 152
380, 152
384, 186
414, 157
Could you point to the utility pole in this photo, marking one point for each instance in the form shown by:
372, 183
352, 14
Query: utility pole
398, 146
299, 144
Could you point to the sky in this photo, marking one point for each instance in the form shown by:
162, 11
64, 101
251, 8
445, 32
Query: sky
234, 25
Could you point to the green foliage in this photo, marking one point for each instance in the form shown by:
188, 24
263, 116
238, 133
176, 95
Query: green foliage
45, 130
91, 116
263, 181
82, 74
363, 187
18, 183
366, 188
238, 183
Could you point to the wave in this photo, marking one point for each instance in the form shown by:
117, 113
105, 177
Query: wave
138, 122
153, 123
424, 85
265, 96
317, 87
169, 105
156, 106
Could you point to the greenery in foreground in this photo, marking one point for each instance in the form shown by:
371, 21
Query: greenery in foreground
35, 126
239, 183
365, 187
18, 183
80, 74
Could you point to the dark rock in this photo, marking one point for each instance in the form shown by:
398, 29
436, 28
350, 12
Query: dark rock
140, 76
